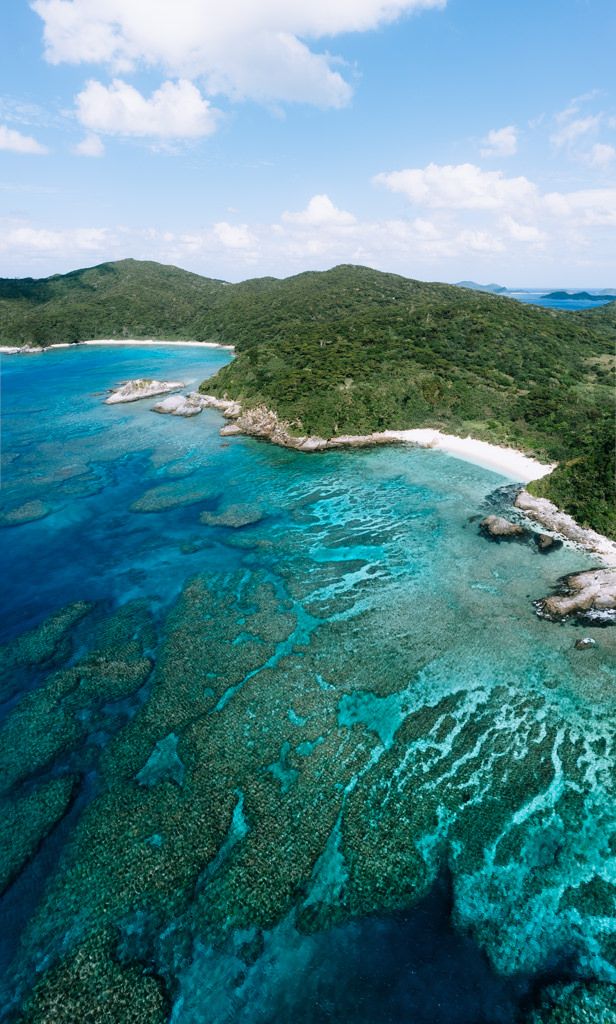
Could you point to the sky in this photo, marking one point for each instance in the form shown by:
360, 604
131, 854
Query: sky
444, 140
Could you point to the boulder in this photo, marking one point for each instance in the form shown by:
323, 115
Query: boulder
584, 642
222, 404
545, 542
169, 405
179, 405
311, 444
497, 528
134, 390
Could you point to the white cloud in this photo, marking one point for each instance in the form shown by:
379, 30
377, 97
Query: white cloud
601, 155
574, 105
522, 232
241, 48
90, 146
320, 212
592, 207
462, 187
501, 142
571, 132
467, 187
445, 244
234, 236
26, 239
18, 143
477, 211
173, 111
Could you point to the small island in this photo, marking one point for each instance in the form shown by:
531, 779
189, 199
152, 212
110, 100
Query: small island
577, 296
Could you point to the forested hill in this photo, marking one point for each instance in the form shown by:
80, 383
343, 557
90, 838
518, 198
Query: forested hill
130, 298
353, 350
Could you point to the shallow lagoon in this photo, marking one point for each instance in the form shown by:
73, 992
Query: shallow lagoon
297, 746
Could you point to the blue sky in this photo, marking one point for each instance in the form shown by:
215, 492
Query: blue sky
439, 139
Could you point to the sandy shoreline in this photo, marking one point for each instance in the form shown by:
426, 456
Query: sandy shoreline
110, 341
263, 422
508, 461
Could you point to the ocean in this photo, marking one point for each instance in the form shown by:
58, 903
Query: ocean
283, 737
540, 299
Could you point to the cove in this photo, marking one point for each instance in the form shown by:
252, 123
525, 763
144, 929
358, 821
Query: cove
282, 691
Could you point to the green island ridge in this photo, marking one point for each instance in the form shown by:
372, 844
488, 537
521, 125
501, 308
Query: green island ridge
585, 296
353, 351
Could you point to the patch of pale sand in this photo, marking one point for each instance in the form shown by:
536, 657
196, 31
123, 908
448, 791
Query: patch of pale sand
13, 350
130, 341
507, 461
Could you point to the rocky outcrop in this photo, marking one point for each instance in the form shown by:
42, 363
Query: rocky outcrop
134, 390
546, 513
584, 642
178, 405
589, 596
497, 528
263, 422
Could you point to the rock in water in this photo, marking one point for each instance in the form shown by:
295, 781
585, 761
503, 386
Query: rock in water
180, 405
584, 642
143, 388
169, 405
545, 542
590, 595
497, 528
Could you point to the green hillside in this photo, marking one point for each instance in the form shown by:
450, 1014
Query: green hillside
114, 300
353, 350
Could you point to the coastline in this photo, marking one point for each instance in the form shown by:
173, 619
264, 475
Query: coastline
550, 517
262, 422
509, 462
15, 350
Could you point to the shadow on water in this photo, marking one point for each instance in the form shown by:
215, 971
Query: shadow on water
409, 967
412, 966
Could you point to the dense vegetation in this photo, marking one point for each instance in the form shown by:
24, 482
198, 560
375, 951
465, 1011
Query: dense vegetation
353, 350
129, 299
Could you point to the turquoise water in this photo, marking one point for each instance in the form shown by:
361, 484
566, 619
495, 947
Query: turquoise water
257, 702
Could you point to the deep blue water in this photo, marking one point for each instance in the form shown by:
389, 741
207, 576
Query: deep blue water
375, 601
538, 299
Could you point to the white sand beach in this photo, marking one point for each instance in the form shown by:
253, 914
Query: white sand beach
508, 461
131, 341
14, 350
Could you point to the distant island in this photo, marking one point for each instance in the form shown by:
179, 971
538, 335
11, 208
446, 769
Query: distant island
496, 289
354, 351
579, 296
